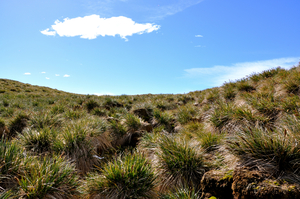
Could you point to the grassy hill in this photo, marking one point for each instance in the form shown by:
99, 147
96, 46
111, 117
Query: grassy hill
234, 141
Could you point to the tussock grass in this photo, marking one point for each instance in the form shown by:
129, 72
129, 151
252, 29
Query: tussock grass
127, 176
18, 124
275, 152
37, 141
76, 144
45, 119
48, 178
181, 193
179, 163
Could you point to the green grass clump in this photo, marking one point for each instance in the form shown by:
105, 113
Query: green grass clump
132, 122
48, 177
11, 157
37, 141
76, 144
128, 176
179, 163
277, 151
100, 112
165, 119
91, 104
229, 91
181, 193
209, 141
18, 124
244, 85
45, 120
292, 83
185, 114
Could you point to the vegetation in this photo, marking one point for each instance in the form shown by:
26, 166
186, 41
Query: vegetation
55, 144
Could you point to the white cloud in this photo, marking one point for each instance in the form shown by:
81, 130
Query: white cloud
56, 75
66, 75
27, 73
198, 46
49, 33
99, 94
171, 9
198, 36
43, 72
90, 27
217, 75
47, 78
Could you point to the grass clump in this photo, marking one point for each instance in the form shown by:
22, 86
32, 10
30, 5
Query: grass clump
11, 157
179, 163
164, 119
76, 144
182, 193
132, 122
37, 141
185, 114
45, 120
128, 176
18, 124
48, 177
276, 152
91, 104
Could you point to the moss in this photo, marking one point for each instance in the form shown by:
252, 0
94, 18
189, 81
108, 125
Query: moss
291, 188
228, 175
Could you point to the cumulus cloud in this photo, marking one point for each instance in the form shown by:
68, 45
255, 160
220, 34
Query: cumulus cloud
90, 27
198, 36
48, 32
27, 73
217, 75
66, 75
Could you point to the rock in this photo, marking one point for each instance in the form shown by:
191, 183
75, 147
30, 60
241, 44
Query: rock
196, 104
177, 129
217, 184
252, 184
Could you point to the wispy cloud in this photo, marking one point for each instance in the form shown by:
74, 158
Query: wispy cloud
66, 75
146, 10
199, 46
90, 27
47, 78
56, 75
217, 75
174, 8
43, 72
198, 36
27, 73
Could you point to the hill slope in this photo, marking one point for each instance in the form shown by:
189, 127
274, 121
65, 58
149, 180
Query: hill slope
237, 140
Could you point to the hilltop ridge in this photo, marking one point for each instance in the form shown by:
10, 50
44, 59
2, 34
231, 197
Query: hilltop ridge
239, 140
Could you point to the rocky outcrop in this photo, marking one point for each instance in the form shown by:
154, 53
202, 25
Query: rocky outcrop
244, 183
218, 184
252, 184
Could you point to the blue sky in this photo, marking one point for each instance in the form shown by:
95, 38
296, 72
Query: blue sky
149, 46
